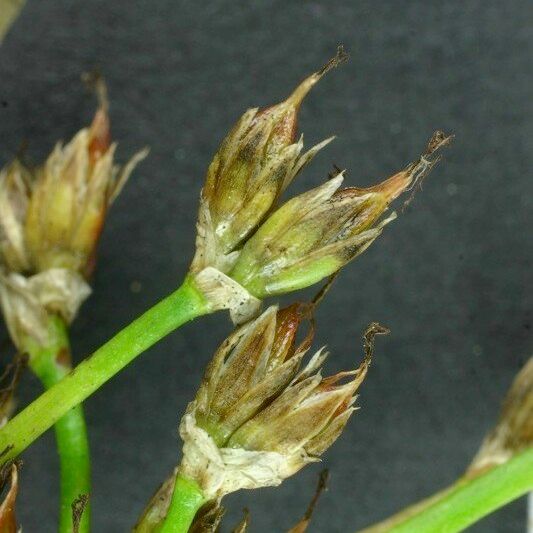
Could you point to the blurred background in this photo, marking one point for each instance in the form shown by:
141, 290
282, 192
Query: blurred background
451, 277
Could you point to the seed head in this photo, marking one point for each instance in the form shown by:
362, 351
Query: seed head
258, 417
254, 165
250, 367
70, 197
316, 233
50, 223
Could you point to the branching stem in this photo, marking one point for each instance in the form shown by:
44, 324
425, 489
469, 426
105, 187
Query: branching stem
183, 305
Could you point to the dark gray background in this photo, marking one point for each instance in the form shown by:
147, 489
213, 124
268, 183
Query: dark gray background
450, 277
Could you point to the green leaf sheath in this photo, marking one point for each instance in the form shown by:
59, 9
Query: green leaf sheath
183, 305
465, 502
187, 498
51, 363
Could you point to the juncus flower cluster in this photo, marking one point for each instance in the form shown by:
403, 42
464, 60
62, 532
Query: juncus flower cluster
52, 218
258, 416
250, 245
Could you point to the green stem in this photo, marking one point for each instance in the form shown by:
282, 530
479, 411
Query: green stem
187, 498
185, 304
51, 363
465, 502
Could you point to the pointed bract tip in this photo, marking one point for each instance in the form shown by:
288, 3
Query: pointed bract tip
301, 91
340, 57
369, 336
95, 82
416, 172
438, 140
100, 130
320, 295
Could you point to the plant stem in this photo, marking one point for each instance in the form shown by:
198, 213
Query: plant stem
187, 498
466, 501
184, 304
51, 363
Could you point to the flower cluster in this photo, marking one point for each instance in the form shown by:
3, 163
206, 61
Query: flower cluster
261, 413
248, 247
52, 217
259, 417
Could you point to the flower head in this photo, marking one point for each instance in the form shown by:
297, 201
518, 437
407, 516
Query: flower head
246, 249
255, 163
70, 197
314, 234
258, 417
251, 366
50, 223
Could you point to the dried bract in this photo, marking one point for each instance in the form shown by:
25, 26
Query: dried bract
155, 512
78, 507
208, 519
9, 477
303, 524
27, 302
15, 190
